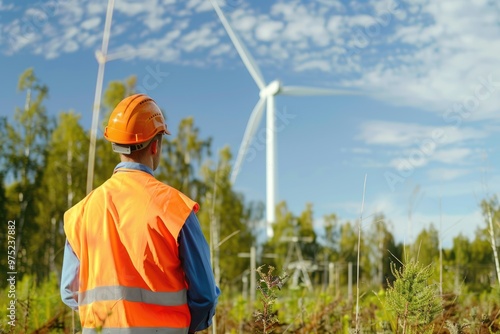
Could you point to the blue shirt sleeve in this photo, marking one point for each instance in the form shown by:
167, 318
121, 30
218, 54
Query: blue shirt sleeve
70, 277
202, 292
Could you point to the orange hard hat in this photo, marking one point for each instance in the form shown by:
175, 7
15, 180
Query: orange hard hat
135, 120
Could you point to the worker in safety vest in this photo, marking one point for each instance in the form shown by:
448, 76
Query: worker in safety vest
136, 260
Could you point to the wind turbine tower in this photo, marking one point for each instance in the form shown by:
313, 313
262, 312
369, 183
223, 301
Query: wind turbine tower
267, 95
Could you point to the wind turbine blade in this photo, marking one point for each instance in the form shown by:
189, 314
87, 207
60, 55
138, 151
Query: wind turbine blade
247, 58
303, 91
252, 125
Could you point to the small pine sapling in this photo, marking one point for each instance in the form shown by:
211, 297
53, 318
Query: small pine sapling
411, 298
268, 286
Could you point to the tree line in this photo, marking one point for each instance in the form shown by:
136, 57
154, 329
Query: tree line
43, 162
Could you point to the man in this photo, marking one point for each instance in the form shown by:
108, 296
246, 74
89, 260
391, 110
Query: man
136, 260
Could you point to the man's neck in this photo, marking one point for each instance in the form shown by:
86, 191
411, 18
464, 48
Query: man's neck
142, 160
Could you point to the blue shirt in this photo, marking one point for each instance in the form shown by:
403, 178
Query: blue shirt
194, 253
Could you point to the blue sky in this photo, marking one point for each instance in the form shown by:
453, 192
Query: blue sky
424, 129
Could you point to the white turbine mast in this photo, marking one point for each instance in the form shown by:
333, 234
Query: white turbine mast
102, 58
267, 94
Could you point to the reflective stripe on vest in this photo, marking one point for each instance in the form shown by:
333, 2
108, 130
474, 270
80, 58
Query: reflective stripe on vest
133, 295
137, 330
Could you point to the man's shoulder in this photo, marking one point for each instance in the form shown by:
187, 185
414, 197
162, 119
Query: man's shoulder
92, 194
176, 196
167, 190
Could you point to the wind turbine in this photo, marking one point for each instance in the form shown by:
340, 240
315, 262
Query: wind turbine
267, 95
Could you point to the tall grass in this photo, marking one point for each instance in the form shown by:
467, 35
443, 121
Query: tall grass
39, 308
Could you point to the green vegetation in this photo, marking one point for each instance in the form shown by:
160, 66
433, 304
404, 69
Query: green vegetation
412, 299
417, 288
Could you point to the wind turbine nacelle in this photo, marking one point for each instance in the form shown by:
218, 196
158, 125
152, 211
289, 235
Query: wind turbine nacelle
270, 90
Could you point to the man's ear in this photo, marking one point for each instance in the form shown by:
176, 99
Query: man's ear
154, 146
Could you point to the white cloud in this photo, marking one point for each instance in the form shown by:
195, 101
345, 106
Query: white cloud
91, 23
244, 23
70, 46
392, 133
360, 20
429, 57
199, 5
409, 162
321, 65
280, 52
17, 35
401, 134
268, 31
411, 159
99, 8
155, 21
452, 156
128, 8
446, 174
449, 46
334, 24
200, 38
221, 49
5, 7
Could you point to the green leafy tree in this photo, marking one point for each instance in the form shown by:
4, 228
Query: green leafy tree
225, 219
332, 236
283, 230
182, 158
62, 186
305, 228
115, 92
25, 154
348, 248
384, 249
461, 257
482, 267
426, 246
461, 250
348, 243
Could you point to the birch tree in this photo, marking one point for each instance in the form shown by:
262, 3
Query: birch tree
226, 219
63, 186
491, 213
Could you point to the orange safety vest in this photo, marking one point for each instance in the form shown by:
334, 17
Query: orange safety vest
124, 234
